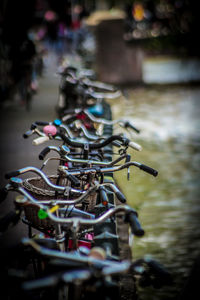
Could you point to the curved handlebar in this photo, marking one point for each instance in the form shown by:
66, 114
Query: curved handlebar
136, 228
124, 141
142, 268
121, 122
44, 177
111, 168
77, 221
64, 150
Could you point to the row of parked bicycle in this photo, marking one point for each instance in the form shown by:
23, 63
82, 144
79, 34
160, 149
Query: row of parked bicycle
74, 210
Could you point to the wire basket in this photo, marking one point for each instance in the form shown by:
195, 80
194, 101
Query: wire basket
38, 188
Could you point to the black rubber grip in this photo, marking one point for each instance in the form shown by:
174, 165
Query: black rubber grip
42, 123
43, 153
71, 142
149, 170
103, 195
108, 141
74, 180
11, 217
33, 126
120, 197
136, 228
3, 194
129, 125
69, 111
159, 270
12, 174
27, 134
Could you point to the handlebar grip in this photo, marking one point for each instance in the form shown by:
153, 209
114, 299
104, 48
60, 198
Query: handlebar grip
149, 170
41, 123
70, 142
43, 153
120, 197
12, 174
27, 134
74, 180
128, 124
11, 217
40, 140
69, 111
135, 146
3, 194
103, 195
93, 146
136, 228
160, 271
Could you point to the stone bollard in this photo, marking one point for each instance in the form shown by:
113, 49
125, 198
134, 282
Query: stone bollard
116, 61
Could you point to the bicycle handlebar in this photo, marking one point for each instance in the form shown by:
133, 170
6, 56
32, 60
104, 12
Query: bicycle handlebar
121, 122
69, 141
136, 228
42, 123
28, 133
111, 168
17, 183
53, 280
124, 141
84, 261
142, 268
44, 152
127, 124
64, 150
45, 178
76, 221
108, 267
98, 84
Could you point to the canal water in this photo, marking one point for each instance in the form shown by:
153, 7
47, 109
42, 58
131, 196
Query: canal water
168, 205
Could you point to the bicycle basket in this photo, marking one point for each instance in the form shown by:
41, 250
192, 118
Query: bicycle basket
38, 188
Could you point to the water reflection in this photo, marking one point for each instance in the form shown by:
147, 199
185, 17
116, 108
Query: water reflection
169, 205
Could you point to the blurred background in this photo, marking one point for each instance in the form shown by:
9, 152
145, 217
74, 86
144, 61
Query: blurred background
150, 50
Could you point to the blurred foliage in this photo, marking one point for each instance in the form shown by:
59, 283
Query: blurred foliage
163, 25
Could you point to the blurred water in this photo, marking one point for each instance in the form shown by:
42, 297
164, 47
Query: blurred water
166, 69
168, 205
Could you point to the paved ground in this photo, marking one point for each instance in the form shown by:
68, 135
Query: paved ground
15, 151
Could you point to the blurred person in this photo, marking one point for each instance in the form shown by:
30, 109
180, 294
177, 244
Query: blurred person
51, 23
78, 30
22, 54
